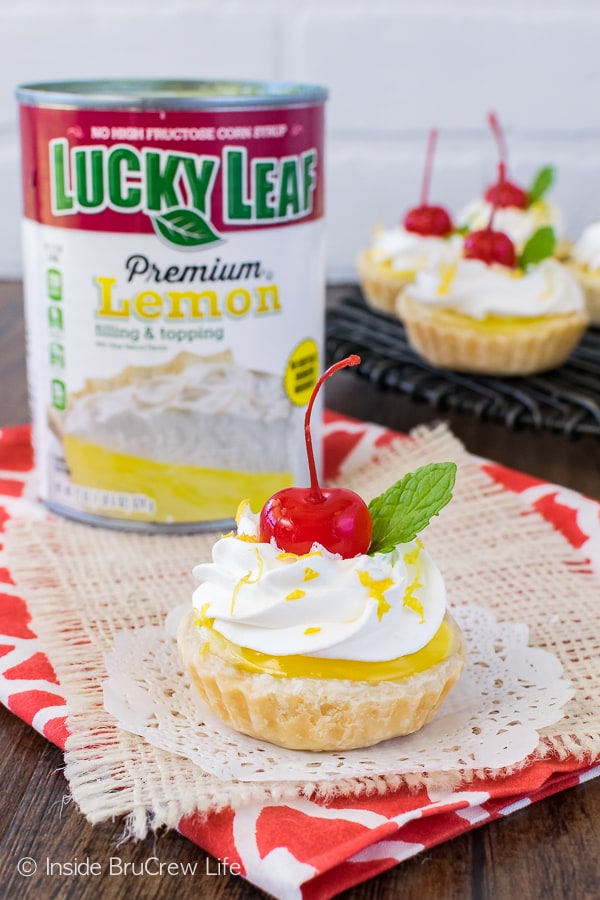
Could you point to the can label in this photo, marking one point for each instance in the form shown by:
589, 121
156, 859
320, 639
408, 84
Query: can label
174, 285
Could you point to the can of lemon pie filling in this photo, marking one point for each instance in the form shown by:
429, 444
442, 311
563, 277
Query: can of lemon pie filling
174, 273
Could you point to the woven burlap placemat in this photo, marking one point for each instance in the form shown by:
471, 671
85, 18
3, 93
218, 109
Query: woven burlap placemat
83, 584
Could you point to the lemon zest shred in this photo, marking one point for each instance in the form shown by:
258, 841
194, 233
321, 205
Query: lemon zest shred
312, 630
296, 595
239, 511
413, 602
376, 589
412, 559
309, 574
247, 579
447, 277
287, 555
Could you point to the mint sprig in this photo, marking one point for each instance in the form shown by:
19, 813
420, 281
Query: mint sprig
406, 508
542, 183
540, 245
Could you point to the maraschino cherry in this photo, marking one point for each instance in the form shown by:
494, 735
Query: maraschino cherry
336, 518
504, 193
426, 220
491, 246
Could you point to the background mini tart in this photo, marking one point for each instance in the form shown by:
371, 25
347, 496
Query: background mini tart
303, 713
589, 282
381, 283
494, 345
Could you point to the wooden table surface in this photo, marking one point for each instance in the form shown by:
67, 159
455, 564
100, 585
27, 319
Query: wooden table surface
548, 850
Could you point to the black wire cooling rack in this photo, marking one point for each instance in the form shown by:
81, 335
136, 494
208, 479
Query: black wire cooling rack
566, 400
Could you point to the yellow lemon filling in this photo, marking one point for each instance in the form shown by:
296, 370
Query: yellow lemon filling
495, 324
176, 492
439, 648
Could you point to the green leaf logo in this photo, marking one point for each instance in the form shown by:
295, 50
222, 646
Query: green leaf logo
184, 228
542, 183
406, 508
540, 246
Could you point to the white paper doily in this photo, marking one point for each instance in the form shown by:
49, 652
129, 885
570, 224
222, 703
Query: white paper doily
507, 692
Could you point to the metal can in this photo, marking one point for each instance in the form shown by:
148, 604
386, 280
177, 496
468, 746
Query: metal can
174, 271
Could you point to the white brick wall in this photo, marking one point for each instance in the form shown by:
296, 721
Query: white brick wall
394, 68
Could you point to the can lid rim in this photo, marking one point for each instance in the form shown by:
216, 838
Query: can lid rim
170, 93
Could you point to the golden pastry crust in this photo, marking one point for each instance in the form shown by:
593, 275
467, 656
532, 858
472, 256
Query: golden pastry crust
314, 713
515, 348
590, 285
380, 284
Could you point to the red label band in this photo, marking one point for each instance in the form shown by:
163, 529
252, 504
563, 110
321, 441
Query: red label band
186, 175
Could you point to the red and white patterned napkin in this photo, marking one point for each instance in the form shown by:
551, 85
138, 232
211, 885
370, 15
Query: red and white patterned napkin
310, 848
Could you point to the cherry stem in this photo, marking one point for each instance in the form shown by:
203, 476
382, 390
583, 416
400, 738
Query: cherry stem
500, 139
315, 489
501, 174
433, 135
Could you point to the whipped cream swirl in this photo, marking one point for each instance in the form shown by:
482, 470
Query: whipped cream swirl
409, 252
478, 290
586, 251
367, 608
518, 224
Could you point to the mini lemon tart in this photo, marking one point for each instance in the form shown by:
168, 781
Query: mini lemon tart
494, 319
322, 623
584, 263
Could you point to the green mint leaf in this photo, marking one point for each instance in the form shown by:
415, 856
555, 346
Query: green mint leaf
540, 246
184, 228
406, 508
542, 182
